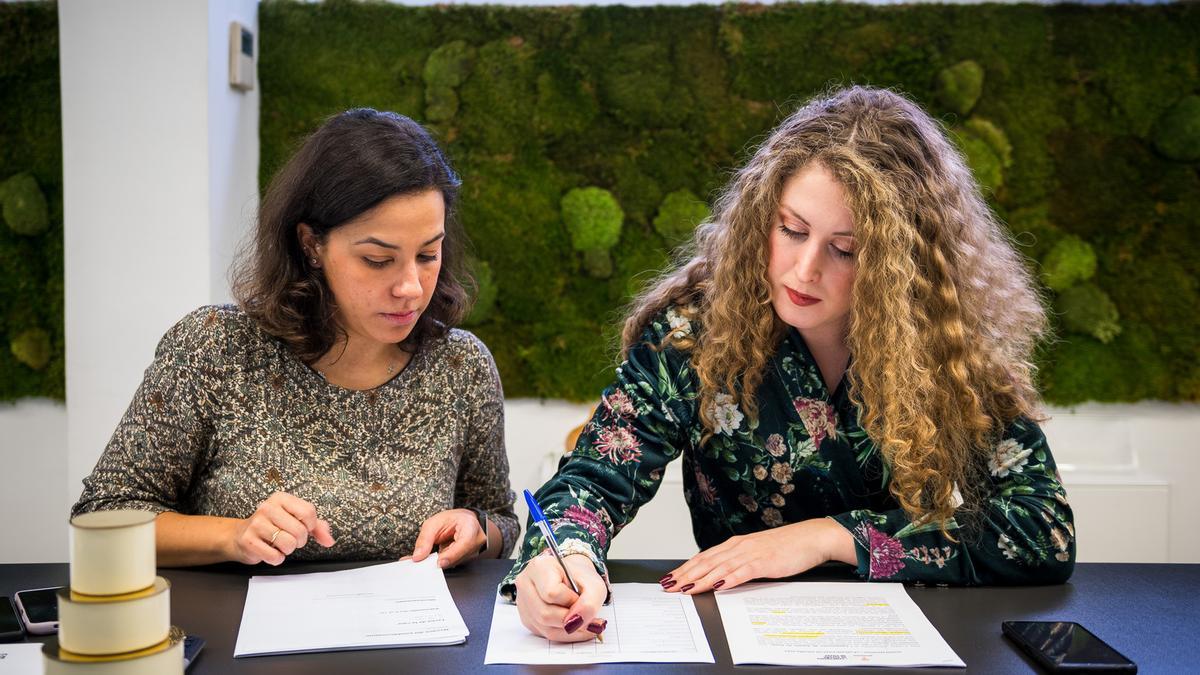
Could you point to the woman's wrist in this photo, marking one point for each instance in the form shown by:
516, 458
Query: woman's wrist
226, 544
495, 540
485, 541
838, 543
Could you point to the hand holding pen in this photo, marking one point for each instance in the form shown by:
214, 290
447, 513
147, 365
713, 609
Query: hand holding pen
557, 595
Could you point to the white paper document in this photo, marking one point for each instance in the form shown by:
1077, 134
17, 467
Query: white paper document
830, 624
23, 658
645, 625
400, 604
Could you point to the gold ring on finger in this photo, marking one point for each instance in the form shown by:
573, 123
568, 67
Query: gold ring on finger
275, 534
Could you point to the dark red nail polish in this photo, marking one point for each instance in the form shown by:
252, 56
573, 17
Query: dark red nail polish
573, 623
597, 626
687, 588
718, 584
665, 579
668, 585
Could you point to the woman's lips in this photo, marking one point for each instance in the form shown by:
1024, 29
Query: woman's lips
401, 318
801, 299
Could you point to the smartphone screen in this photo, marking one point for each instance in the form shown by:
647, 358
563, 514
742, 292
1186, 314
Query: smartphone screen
41, 605
1066, 645
10, 623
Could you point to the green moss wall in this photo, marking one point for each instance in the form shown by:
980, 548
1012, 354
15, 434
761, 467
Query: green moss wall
1084, 122
1077, 118
31, 235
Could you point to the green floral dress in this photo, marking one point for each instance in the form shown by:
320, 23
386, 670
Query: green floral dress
806, 457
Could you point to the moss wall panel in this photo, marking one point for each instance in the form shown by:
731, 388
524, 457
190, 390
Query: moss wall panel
31, 268
1077, 120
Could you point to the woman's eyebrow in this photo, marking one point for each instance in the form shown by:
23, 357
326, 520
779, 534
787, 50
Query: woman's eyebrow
373, 240
384, 244
800, 218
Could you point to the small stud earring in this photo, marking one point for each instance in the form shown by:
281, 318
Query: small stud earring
313, 261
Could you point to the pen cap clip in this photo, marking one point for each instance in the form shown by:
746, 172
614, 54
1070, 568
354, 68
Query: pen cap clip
535, 511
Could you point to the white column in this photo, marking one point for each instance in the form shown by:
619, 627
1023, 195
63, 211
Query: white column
160, 162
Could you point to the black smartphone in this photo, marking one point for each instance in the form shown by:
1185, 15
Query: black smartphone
1066, 647
39, 610
10, 623
191, 649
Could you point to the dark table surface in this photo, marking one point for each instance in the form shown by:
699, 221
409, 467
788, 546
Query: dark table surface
1149, 612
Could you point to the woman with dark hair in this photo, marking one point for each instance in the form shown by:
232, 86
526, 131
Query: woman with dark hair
334, 412
843, 361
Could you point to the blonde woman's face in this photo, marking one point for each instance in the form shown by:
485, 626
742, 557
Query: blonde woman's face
812, 247
382, 267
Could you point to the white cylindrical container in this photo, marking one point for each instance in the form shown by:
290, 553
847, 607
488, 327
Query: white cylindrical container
112, 552
112, 624
164, 658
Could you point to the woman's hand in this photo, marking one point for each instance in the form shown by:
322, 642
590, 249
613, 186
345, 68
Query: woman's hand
455, 533
771, 554
280, 525
549, 608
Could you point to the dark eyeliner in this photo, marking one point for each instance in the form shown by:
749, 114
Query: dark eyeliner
789, 231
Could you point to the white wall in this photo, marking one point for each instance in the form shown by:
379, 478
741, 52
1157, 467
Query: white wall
33, 462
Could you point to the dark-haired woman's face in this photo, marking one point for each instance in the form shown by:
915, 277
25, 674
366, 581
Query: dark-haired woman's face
383, 266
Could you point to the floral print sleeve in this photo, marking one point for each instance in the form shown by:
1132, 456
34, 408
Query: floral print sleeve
644, 420
1022, 533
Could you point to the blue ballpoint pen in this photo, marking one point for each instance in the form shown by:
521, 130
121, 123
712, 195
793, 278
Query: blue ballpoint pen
539, 519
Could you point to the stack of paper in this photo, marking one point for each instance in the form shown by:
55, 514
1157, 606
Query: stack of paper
21, 659
400, 604
645, 625
830, 624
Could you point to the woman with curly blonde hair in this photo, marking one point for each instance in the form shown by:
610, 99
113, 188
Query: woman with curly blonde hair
843, 360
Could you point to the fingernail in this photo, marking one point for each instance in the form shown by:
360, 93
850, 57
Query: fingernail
718, 584
573, 623
665, 579
597, 626
668, 585
687, 588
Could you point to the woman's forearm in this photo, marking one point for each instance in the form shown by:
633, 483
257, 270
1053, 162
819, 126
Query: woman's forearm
193, 540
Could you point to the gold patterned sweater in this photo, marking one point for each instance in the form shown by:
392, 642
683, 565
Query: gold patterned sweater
227, 415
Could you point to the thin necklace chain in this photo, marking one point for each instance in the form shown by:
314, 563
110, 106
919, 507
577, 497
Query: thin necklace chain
391, 369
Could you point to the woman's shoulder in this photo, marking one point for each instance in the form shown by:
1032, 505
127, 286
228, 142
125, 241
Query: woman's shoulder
213, 331
1026, 429
461, 350
671, 327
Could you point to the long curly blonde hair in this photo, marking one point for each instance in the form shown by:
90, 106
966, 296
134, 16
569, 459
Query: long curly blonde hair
945, 314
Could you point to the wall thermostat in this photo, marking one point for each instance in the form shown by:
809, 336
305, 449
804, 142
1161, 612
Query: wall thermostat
241, 57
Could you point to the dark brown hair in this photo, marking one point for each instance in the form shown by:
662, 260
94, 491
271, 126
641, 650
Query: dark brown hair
352, 163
